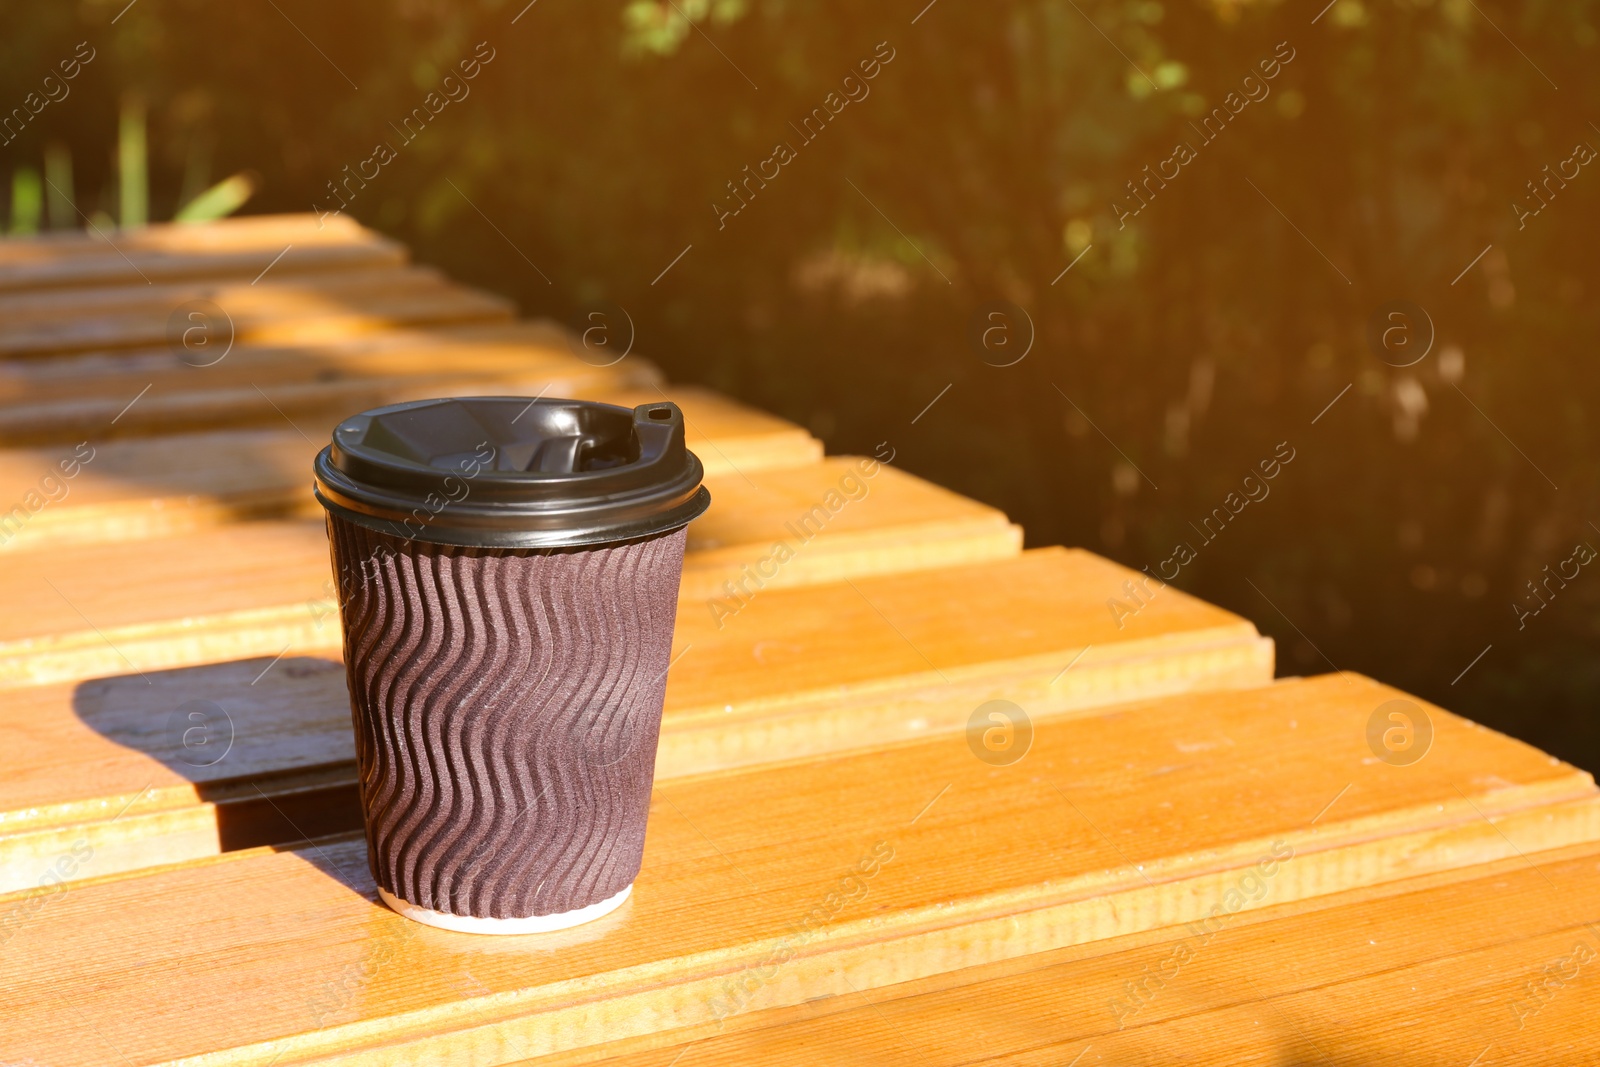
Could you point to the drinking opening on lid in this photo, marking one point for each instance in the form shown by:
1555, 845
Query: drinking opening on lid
554, 437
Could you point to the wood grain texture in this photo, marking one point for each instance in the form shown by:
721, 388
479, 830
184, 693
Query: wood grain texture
843, 517
1490, 965
248, 231
802, 671
180, 483
775, 887
290, 296
92, 602
243, 247
310, 388
96, 380
884, 659
290, 308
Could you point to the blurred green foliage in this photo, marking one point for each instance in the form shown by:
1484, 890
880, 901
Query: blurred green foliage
986, 157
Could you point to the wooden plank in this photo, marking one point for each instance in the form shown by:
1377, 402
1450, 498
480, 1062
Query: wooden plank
1135, 820
841, 518
408, 352
291, 308
255, 588
262, 231
141, 487
886, 659
244, 247
252, 582
1494, 966
288, 295
312, 386
890, 521
797, 672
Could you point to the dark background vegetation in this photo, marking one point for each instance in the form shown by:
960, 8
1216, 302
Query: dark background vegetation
1217, 324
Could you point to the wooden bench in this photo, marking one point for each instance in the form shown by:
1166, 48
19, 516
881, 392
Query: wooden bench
1183, 856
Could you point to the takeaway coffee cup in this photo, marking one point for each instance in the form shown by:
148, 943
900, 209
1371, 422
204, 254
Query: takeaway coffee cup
508, 576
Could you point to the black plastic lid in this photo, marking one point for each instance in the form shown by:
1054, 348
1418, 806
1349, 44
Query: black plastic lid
513, 472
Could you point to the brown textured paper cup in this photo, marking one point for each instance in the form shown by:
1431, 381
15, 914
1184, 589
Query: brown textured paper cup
506, 704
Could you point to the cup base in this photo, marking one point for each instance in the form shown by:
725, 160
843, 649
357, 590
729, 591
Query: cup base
534, 924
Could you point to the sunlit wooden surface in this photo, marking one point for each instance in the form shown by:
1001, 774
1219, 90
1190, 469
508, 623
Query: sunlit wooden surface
1176, 860
245, 248
96, 757
1484, 964
314, 307
137, 487
1114, 824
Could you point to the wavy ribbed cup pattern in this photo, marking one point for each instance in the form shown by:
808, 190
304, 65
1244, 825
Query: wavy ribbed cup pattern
506, 705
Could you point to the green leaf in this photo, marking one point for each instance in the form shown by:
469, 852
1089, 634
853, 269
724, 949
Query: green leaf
222, 199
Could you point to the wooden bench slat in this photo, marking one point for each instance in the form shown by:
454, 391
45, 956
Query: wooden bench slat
460, 350
1424, 971
142, 487
278, 310
798, 672
164, 252
266, 572
312, 386
240, 231
290, 294
1142, 818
